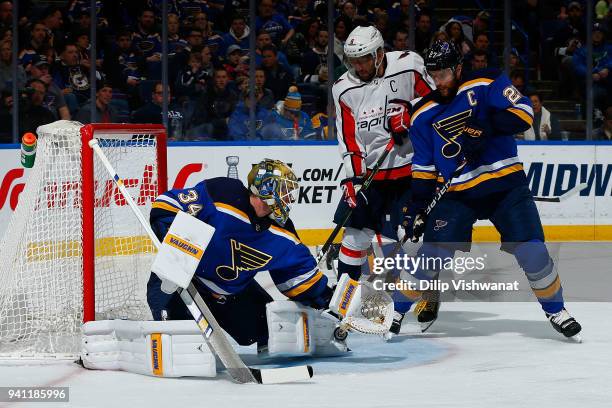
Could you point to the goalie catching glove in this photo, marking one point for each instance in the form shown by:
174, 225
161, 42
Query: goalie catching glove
362, 308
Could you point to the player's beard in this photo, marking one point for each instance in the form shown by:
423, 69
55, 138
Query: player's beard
374, 72
370, 75
447, 93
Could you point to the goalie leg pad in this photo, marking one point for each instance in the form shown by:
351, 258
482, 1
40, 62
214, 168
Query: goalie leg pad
295, 331
162, 349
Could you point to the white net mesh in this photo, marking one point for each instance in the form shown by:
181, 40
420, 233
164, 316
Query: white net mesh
41, 296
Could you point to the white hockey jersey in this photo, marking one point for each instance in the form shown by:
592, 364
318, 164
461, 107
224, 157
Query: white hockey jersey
362, 111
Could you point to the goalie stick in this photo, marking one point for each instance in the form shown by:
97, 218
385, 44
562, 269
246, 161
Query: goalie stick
211, 330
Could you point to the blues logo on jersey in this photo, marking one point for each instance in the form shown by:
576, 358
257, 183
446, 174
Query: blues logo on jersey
243, 244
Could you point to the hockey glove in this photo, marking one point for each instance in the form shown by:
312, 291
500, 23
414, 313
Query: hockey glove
413, 222
399, 122
474, 140
353, 195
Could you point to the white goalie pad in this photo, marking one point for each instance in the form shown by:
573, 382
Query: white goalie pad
181, 251
363, 309
163, 349
295, 330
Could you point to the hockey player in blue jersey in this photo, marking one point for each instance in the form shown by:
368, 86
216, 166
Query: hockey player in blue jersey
253, 233
474, 119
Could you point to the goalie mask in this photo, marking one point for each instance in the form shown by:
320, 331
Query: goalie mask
275, 183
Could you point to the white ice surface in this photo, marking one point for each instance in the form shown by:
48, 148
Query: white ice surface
477, 355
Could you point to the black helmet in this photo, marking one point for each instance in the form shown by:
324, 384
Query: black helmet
442, 55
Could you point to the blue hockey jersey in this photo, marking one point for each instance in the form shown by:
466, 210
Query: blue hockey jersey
436, 135
242, 244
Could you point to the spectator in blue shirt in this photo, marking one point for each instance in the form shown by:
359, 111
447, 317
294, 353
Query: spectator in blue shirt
602, 65
238, 35
147, 42
288, 120
240, 123
265, 40
275, 24
278, 79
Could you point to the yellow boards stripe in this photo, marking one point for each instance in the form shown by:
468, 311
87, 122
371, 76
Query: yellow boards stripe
156, 354
111, 246
591, 232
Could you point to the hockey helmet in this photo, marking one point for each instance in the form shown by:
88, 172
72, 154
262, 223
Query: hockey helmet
442, 55
363, 41
275, 183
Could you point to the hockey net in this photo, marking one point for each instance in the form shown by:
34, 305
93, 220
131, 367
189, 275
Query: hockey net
73, 251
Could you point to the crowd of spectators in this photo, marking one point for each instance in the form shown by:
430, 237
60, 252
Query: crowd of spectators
209, 60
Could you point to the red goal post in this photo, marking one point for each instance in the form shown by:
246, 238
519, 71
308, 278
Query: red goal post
97, 130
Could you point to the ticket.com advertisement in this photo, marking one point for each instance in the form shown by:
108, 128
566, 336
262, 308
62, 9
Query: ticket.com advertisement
552, 170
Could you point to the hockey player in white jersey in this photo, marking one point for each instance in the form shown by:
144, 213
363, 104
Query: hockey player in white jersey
371, 101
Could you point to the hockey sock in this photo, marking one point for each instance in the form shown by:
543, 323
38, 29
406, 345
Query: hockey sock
540, 270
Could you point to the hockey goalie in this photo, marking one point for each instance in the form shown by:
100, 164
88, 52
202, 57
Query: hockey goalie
224, 233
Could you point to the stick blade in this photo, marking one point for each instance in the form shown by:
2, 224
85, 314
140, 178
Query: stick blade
573, 191
282, 375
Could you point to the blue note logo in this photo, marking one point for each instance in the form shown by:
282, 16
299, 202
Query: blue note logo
449, 129
244, 258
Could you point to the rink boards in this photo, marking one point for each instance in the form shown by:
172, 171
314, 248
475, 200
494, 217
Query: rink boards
552, 169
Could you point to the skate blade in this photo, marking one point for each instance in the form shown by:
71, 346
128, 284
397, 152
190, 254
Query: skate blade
576, 338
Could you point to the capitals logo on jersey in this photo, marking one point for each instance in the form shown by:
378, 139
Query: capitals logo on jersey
377, 116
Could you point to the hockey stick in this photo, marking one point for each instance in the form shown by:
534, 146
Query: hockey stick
434, 201
211, 330
349, 211
569, 193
